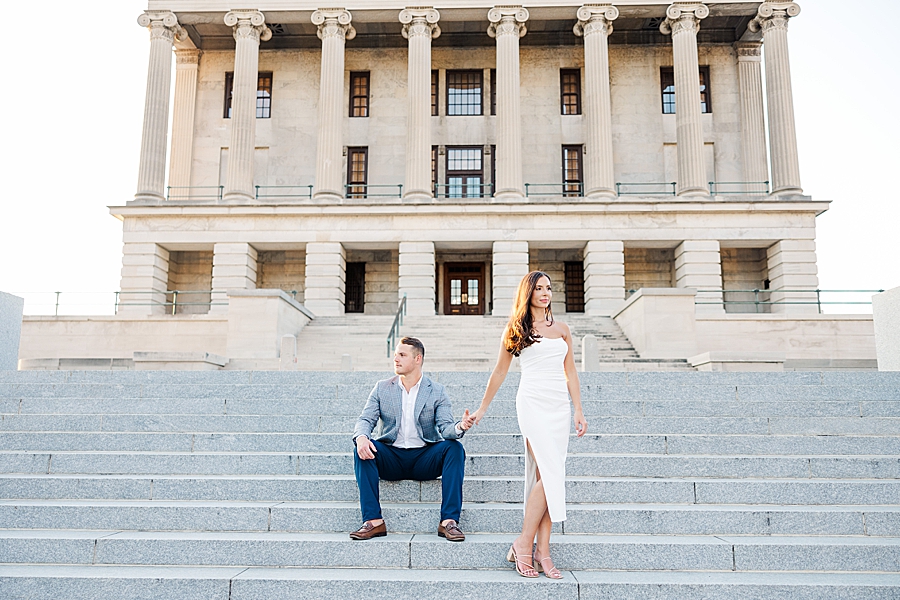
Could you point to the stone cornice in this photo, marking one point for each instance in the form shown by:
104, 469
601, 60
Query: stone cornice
507, 20
333, 23
774, 15
162, 25
595, 18
248, 24
682, 17
420, 22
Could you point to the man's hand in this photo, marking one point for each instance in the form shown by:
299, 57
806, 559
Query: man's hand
365, 448
467, 421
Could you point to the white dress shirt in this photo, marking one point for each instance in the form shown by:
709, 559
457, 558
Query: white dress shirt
408, 436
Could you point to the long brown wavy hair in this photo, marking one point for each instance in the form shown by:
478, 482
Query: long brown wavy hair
519, 332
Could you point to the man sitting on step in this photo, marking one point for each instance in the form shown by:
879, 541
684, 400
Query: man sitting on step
418, 441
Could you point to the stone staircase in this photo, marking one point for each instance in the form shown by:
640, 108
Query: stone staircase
238, 485
453, 343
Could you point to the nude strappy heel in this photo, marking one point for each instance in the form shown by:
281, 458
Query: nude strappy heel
528, 570
551, 573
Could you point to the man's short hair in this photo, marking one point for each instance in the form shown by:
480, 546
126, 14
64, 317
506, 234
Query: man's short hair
417, 345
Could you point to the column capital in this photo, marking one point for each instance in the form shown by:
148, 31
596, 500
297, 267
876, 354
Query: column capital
162, 25
774, 15
334, 22
507, 20
419, 21
187, 56
248, 24
748, 51
683, 16
595, 18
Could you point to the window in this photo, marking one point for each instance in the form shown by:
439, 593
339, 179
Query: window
465, 172
359, 94
573, 178
263, 95
464, 89
494, 92
357, 170
667, 81
570, 91
493, 187
355, 288
574, 286
434, 169
434, 93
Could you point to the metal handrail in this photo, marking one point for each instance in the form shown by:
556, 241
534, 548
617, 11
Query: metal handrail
395, 326
117, 301
715, 191
561, 187
669, 192
484, 190
818, 301
217, 195
366, 187
266, 195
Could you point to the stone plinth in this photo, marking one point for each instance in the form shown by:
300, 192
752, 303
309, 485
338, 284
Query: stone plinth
417, 277
660, 322
234, 268
604, 278
510, 265
698, 265
590, 354
145, 279
793, 271
11, 309
326, 268
886, 310
258, 320
738, 361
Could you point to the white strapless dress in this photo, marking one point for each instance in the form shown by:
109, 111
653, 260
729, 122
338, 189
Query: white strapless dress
544, 413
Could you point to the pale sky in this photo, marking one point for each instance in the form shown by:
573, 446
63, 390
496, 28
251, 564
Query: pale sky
74, 100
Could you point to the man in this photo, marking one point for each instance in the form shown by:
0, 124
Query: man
418, 441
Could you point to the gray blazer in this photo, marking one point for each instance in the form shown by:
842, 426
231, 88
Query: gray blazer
434, 417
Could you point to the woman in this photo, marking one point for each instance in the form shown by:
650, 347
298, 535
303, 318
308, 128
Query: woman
544, 348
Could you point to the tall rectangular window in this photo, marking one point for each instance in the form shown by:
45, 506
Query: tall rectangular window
263, 95
574, 286
434, 170
434, 93
465, 172
570, 91
357, 172
494, 91
493, 187
573, 177
464, 92
359, 94
355, 287
667, 83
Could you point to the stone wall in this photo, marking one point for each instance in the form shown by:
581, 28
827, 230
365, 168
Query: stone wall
282, 270
745, 269
649, 268
382, 279
190, 272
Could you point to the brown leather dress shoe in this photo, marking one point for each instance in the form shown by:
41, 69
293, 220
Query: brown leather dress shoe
368, 531
452, 532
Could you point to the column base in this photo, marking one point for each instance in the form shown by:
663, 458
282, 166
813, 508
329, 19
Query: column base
601, 194
788, 192
148, 198
507, 195
693, 192
237, 198
418, 196
328, 195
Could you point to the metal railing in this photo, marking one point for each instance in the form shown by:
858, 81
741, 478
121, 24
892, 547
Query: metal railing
204, 192
570, 189
108, 303
624, 188
760, 302
359, 190
395, 327
460, 190
283, 192
739, 188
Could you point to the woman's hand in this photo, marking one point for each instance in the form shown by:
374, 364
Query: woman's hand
580, 423
478, 415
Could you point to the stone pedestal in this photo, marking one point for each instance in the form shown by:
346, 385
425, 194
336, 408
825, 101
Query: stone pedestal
604, 278
753, 120
683, 23
333, 29
145, 279
249, 29
419, 27
326, 268
590, 354
258, 320
507, 26
186, 64
11, 310
698, 265
234, 268
792, 271
510, 265
886, 310
417, 277
595, 24
660, 322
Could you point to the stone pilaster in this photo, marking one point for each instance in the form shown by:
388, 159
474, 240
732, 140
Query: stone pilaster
419, 27
145, 279
792, 271
326, 268
334, 28
187, 62
683, 24
773, 19
417, 277
753, 119
604, 278
507, 26
595, 24
249, 29
698, 265
164, 29
510, 265
234, 268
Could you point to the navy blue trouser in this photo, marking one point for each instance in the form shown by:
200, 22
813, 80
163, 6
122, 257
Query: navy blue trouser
446, 459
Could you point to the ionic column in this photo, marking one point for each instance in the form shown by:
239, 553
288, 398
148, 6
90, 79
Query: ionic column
510, 265
417, 277
698, 264
419, 27
164, 29
334, 28
773, 19
753, 119
234, 268
793, 276
186, 63
326, 272
683, 23
507, 26
249, 29
604, 278
145, 279
595, 24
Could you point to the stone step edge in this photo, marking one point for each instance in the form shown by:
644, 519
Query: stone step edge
159, 453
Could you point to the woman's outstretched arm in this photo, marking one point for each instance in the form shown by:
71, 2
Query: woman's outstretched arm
573, 384
494, 383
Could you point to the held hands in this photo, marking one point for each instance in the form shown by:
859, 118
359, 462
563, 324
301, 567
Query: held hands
467, 421
478, 415
580, 423
365, 448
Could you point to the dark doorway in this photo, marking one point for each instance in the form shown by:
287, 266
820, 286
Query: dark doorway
575, 287
464, 289
355, 288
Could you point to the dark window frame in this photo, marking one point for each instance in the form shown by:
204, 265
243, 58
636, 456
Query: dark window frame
264, 84
570, 102
493, 92
449, 85
435, 92
667, 80
573, 187
464, 174
355, 288
574, 282
365, 98
353, 184
434, 170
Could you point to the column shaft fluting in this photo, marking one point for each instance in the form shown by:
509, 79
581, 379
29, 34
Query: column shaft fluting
753, 120
249, 29
419, 27
334, 28
163, 28
187, 62
507, 26
683, 23
595, 24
